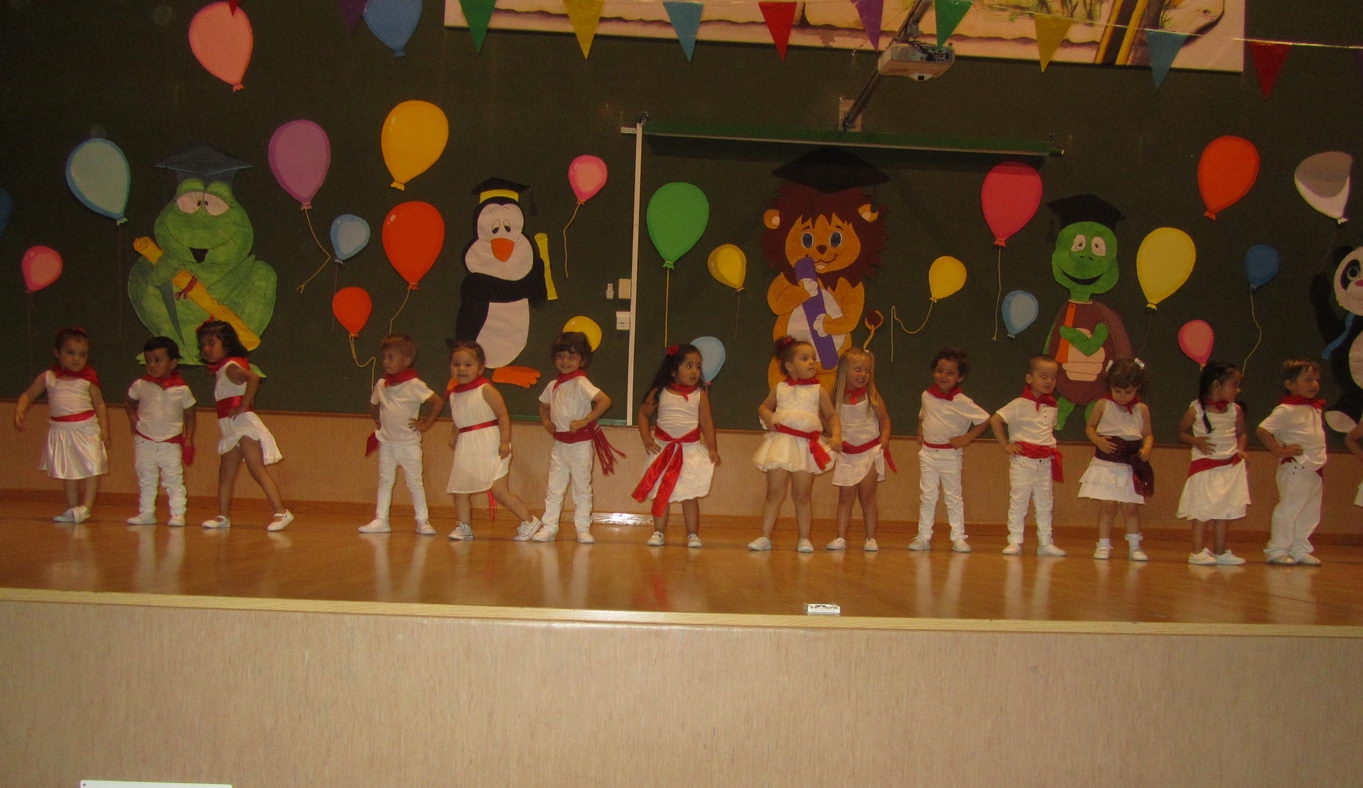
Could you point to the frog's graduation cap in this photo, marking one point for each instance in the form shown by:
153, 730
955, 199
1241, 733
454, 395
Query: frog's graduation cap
494, 188
830, 170
1085, 208
204, 163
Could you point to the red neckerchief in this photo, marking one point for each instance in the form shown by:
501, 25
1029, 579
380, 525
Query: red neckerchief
173, 379
1293, 399
809, 382
87, 372
1044, 399
1129, 407
217, 365
400, 377
1217, 406
567, 376
938, 393
855, 395
684, 391
456, 388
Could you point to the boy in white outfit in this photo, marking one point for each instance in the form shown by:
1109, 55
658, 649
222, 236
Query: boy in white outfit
947, 422
395, 407
1295, 433
161, 412
1034, 463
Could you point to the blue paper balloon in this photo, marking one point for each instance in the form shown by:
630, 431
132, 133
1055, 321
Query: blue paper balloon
6, 208
349, 234
393, 21
99, 176
711, 356
1019, 310
1261, 265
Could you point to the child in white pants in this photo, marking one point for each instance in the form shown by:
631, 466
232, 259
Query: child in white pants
1034, 462
395, 406
1294, 432
161, 412
947, 422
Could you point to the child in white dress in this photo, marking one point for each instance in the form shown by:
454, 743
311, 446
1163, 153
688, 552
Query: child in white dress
1217, 488
78, 430
161, 414
864, 450
681, 469
1120, 473
395, 406
796, 414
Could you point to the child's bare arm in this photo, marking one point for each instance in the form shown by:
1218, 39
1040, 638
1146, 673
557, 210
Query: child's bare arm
437, 404
969, 436
707, 428
187, 431
1275, 448
829, 414
30, 394
1241, 435
494, 400
1000, 428
1147, 432
1185, 433
600, 404
546, 420
1091, 428
101, 413
646, 411
767, 410
240, 375
130, 405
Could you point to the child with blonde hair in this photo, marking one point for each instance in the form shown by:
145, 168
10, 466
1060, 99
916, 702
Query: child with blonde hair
863, 455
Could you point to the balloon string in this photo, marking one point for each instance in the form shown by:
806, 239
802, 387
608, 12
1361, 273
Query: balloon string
565, 239
737, 303
395, 314
307, 214
893, 316
372, 363
28, 321
118, 274
998, 293
1149, 321
667, 302
921, 327
1258, 327
314, 274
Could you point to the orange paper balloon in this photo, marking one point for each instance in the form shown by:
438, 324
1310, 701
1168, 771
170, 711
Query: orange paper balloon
413, 234
1226, 172
220, 37
351, 306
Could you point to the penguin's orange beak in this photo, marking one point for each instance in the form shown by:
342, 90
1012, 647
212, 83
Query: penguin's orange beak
502, 248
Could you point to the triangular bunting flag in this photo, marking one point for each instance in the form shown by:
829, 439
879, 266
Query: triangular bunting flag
478, 13
1268, 62
780, 16
352, 11
948, 14
1164, 47
685, 18
1050, 31
871, 12
586, 17
232, 5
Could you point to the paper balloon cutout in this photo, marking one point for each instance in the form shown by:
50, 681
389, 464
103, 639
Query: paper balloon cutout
41, 266
1009, 198
349, 235
1261, 265
712, 356
677, 216
414, 135
1323, 180
300, 156
221, 40
1163, 263
587, 326
1195, 339
586, 174
6, 209
352, 307
413, 234
728, 265
1019, 309
393, 22
1226, 172
946, 275
98, 174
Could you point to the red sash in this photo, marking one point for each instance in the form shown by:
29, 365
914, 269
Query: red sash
667, 466
177, 439
481, 426
226, 405
84, 415
1033, 451
605, 452
927, 445
821, 457
1206, 463
173, 379
848, 448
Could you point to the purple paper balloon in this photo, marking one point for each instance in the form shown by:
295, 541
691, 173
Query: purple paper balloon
300, 155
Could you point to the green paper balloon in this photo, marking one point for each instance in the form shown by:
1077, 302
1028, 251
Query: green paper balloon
677, 216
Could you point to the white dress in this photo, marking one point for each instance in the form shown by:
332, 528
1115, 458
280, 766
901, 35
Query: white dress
243, 425
476, 464
677, 416
797, 407
860, 425
1221, 493
73, 450
1112, 481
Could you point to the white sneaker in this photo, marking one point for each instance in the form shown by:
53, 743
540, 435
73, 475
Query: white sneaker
836, 544
376, 526
280, 521
1137, 554
68, 516
546, 533
1049, 550
462, 533
218, 522
1203, 558
804, 546
143, 518
1013, 548
919, 543
176, 521
870, 546
1229, 559
693, 540
79, 514
960, 546
760, 544
656, 540
1281, 559
1307, 559
1102, 553
425, 528
526, 529
584, 536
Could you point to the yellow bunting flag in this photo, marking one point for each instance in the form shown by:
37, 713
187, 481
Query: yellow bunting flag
586, 17
1050, 32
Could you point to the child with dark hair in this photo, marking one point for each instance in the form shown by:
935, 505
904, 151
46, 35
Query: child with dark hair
395, 405
1120, 473
161, 414
1034, 463
1217, 488
1294, 432
948, 421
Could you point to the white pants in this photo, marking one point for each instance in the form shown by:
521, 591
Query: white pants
570, 462
940, 467
1298, 511
1029, 480
154, 459
408, 457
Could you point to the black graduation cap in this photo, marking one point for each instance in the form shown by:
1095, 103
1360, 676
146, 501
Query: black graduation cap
1085, 208
830, 170
501, 187
205, 163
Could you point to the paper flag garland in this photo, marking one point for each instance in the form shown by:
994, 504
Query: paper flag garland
1268, 62
871, 12
779, 17
1050, 31
948, 14
478, 13
585, 16
685, 18
1164, 47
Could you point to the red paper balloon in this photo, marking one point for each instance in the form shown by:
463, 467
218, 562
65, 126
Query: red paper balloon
1226, 172
221, 39
351, 306
42, 266
1009, 198
1195, 339
413, 234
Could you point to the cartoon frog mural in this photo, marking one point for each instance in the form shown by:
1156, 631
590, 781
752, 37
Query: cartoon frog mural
200, 264
1086, 335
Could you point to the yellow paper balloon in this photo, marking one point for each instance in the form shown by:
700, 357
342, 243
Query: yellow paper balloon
414, 135
1163, 263
587, 326
729, 265
945, 277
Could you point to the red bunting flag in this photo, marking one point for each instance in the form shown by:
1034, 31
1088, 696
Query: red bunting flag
780, 17
1268, 62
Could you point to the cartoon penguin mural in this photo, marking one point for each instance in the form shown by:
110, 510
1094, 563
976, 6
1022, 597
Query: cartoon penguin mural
1344, 336
506, 273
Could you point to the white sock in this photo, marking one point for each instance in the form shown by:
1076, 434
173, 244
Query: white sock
1105, 543
1134, 540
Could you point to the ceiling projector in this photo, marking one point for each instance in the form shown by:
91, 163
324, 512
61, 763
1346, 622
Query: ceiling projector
919, 62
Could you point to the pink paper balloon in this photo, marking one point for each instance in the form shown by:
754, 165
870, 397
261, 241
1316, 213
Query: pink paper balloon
1195, 339
1009, 198
300, 155
587, 174
42, 266
221, 39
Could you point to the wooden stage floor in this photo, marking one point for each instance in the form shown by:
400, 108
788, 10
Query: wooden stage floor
321, 557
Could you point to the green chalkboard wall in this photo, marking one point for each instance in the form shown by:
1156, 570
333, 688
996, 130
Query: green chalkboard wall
526, 105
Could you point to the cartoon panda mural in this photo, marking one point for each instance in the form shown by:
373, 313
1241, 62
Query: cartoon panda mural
1343, 336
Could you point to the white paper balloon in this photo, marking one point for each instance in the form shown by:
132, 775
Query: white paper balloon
1323, 181
711, 356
